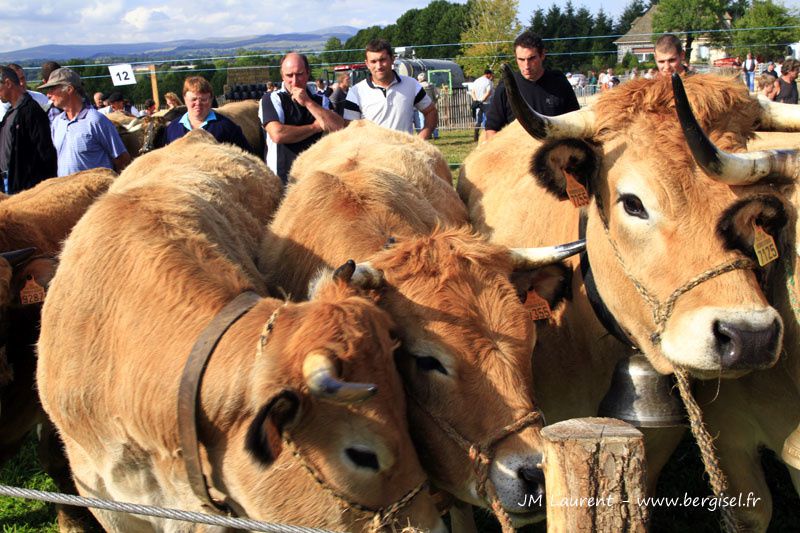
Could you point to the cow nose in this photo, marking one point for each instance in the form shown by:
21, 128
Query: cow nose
746, 348
533, 478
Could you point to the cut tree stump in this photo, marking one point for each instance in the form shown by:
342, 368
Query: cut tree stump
595, 476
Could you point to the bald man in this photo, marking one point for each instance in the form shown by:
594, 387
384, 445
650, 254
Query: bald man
294, 117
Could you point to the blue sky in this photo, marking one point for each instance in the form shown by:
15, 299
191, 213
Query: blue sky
28, 23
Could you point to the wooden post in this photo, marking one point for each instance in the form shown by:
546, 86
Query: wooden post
594, 474
154, 85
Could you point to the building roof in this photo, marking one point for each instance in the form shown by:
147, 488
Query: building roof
641, 31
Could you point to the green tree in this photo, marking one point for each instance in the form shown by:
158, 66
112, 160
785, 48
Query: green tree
690, 17
490, 27
632, 11
603, 46
766, 43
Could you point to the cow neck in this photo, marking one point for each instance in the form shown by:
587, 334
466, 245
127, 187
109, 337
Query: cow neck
189, 393
601, 311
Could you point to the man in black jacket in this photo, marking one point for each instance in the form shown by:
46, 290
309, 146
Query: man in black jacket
547, 91
27, 155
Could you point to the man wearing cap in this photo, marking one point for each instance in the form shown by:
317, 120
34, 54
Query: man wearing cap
116, 104
83, 138
27, 155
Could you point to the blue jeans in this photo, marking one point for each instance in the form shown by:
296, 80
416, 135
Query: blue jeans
750, 77
480, 116
419, 123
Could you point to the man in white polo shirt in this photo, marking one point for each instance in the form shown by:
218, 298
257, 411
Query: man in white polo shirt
387, 98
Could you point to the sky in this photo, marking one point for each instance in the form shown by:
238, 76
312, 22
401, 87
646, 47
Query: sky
28, 23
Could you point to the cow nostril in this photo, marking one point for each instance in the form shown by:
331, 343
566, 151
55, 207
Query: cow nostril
743, 348
532, 476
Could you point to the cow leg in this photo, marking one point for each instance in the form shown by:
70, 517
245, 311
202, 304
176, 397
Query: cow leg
659, 444
54, 462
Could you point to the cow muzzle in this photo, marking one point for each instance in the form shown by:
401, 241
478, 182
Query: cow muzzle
520, 485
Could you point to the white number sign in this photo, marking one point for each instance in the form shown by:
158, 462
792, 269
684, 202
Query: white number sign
122, 74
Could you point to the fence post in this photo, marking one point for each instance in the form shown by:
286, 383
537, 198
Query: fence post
595, 475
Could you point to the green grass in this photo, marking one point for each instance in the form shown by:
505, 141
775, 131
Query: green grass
455, 145
18, 515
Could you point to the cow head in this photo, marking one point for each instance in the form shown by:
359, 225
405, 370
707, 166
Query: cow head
466, 341
666, 243
338, 404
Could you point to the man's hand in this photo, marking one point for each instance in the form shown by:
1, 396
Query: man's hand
300, 95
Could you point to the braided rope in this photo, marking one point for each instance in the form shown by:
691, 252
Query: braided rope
159, 512
661, 314
716, 477
482, 455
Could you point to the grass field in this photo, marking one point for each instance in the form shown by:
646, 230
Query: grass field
683, 474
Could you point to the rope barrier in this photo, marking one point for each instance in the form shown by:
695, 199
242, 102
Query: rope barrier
159, 512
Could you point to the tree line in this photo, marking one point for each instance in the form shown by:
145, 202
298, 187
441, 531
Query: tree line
478, 35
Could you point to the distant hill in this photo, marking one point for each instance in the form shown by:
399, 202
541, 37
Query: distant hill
313, 40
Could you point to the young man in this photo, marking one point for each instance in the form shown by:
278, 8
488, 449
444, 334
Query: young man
546, 91
83, 138
198, 94
387, 98
669, 55
787, 83
293, 117
27, 155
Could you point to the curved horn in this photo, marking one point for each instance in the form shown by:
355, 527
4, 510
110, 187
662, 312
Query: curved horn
15, 257
367, 276
531, 258
346, 271
777, 116
733, 169
321, 378
574, 124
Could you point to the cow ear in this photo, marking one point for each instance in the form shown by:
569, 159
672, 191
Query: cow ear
553, 283
575, 156
264, 439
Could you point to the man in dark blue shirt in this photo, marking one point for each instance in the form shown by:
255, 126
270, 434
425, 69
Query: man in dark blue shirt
547, 91
198, 94
293, 117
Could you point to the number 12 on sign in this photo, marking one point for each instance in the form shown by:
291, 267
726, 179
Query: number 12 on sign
122, 74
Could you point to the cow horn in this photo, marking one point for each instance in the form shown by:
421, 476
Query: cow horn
346, 271
733, 169
367, 276
578, 123
321, 378
777, 116
15, 257
531, 258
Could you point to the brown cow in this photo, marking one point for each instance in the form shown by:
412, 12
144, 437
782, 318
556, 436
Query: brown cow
651, 228
141, 275
40, 218
466, 337
743, 412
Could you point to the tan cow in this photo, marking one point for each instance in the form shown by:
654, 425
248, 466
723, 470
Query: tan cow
141, 276
39, 218
762, 409
466, 338
661, 275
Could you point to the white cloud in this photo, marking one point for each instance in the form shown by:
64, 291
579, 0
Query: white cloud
141, 17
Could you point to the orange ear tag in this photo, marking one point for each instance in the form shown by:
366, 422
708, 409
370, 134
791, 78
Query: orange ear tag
31, 293
575, 191
764, 245
537, 306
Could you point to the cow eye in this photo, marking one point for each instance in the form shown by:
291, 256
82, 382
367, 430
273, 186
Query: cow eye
363, 458
633, 206
428, 364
